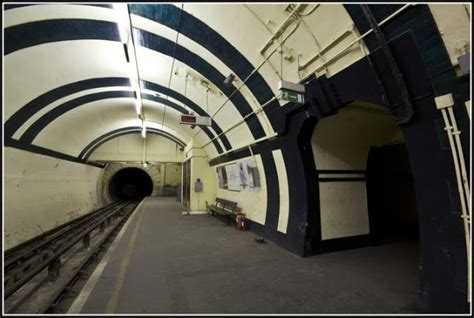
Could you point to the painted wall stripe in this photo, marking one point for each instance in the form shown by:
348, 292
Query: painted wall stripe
96, 143
30, 134
284, 213
42, 101
189, 103
9, 142
201, 33
26, 35
15, 6
273, 193
167, 47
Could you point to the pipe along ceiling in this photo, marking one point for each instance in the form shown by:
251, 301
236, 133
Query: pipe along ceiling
82, 31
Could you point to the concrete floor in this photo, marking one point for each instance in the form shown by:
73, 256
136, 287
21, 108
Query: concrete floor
170, 263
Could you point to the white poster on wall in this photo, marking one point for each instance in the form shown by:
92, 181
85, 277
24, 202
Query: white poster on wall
233, 177
252, 175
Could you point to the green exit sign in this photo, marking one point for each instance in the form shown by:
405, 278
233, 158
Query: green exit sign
294, 97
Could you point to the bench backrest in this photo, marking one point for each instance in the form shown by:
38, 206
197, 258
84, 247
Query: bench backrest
226, 204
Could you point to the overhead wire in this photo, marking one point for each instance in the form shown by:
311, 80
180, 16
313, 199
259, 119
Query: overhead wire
173, 62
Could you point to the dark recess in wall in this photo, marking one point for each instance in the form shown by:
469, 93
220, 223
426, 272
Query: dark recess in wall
130, 184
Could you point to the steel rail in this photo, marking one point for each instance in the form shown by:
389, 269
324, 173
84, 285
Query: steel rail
47, 295
35, 261
18, 252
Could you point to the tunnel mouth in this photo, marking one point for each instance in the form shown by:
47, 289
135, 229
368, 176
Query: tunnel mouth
130, 184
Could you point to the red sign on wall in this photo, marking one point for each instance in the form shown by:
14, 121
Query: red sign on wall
196, 120
188, 119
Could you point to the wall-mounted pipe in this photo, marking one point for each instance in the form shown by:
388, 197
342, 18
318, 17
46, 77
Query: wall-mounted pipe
253, 72
281, 28
305, 14
324, 49
443, 103
248, 145
256, 111
338, 54
456, 132
243, 83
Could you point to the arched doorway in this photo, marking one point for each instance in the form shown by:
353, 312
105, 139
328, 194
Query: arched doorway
366, 191
366, 199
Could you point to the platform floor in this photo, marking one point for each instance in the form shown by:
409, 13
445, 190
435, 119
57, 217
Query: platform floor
166, 262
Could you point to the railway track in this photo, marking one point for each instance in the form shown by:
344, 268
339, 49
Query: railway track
39, 273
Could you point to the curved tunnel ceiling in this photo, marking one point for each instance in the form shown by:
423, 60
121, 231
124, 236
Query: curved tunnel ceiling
78, 89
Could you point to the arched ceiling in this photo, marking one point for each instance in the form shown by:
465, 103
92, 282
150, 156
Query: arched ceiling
67, 78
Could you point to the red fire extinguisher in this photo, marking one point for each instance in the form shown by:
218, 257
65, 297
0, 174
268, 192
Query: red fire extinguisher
240, 222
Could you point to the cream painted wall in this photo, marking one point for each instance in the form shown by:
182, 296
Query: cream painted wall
343, 209
284, 194
172, 173
200, 169
130, 148
253, 204
342, 142
453, 22
43, 192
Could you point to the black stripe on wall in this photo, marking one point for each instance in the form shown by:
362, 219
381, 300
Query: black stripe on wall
93, 145
24, 113
201, 33
30, 134
166, 102
26, 35
160, 44
340, 179
273, 191
334, 171
9, 142
15, 6
38, 32
189, 103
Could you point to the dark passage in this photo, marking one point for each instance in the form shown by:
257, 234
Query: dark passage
130, 184
391, 195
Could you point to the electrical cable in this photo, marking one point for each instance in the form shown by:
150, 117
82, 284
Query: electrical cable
174, 59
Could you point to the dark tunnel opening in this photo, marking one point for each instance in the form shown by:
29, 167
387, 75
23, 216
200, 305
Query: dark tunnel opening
130, 184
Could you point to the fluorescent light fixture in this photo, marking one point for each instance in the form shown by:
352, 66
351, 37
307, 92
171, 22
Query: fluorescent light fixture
121, 15
144, 132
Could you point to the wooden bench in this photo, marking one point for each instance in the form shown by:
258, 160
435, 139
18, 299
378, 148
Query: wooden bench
224, 209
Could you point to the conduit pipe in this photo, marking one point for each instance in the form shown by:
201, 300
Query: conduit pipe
360, 38
249, 145
259, 109
281, 28
310, 11
253, 72
456, 132
443, 103
321, 51
317, 68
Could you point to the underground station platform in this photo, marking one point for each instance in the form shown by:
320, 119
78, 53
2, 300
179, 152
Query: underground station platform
236, 158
